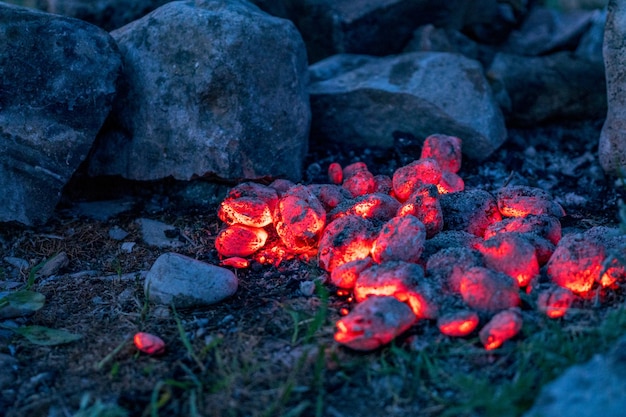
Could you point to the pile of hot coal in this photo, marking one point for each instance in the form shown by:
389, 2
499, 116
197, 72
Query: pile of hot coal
418, 246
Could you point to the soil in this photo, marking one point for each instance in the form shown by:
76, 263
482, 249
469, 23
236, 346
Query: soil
268, 350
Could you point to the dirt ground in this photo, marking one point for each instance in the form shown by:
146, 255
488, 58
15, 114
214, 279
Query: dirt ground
268, 350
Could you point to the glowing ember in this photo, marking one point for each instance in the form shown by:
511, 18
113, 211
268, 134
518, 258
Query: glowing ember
449, 265
381, 230
512, 254
402, 280
424, 204
330, 195
487, 290
450, 183
471, 211
502, 327
543, 225
236, 262
346, 239
345, 275
408, 178
401, 239
299, 219
459, 323
358, 180
335, 173
240, 241
555, 301
374, 323
374, 206
446, 150
249, 204
577, 262
149, 343
521, 201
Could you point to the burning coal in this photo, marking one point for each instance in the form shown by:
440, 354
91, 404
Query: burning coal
418, 246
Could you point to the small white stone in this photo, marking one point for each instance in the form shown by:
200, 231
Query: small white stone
184, 282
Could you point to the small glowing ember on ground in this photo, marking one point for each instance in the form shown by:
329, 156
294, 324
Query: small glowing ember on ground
418, 246
149, 343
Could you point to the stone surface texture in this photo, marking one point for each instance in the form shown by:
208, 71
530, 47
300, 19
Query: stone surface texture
373, 27
57, 83
592, 389
418, 93
612, 145
185, 282
210, 88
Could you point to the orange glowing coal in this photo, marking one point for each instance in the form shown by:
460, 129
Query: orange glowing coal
240, 241
149, 343
458, 324
372, 234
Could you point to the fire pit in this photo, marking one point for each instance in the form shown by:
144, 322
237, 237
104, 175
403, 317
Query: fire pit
376, 235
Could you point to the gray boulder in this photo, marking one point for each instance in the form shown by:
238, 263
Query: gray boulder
593, 389
419, 93
185, 282
211, 87
559, 86
373, 27
107, 14
612, 146
547, 30
57, 83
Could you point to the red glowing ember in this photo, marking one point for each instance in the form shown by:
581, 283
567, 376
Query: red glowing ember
446, 150
346, 239
249, 204
521, 201
240, 241
459, 323
373, 235
487, 290
299, 219
512, 254
335, 173
149, 343
555, 301
345, 275
424, 204
502, 327
374, 323
402, 280
409, 178
400, 239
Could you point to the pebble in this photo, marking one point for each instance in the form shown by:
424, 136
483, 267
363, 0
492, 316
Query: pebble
184, 282
117, 233
154, 232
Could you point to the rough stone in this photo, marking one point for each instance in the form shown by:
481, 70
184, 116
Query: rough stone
418, 93
159, 234
547, 30
592, 389
107, 14
232, 103
612, 146
186, 282
373, 27
560, 86
57, 83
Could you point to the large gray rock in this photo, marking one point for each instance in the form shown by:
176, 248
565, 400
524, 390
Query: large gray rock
547, 30
593, 389
107, 14
373, 27
211, 87
554, 87
57, 82
612, 146
185, 282
366, 100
